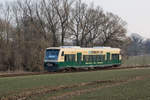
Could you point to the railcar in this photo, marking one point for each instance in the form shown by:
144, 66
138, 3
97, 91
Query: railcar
57, 58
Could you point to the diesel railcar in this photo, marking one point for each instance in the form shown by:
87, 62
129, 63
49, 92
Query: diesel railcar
57, 58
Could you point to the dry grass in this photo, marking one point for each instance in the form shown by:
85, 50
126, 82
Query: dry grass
66, 85
142, 60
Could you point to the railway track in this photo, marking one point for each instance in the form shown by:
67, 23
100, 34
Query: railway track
69, 71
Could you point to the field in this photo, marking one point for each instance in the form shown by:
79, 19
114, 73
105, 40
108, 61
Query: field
142, 60
136, 90
97, 85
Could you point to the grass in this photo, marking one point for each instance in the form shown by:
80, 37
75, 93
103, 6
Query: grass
15, 85
137, 90
137, 61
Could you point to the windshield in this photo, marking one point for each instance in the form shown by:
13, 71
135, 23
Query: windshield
52, 54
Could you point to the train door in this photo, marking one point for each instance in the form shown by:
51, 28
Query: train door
108, 57
79, 58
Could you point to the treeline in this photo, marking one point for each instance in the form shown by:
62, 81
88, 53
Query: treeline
27, 27
138, 45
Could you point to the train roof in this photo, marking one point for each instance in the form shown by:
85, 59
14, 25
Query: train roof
78, 47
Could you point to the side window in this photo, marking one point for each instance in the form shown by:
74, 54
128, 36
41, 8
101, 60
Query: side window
62, 54
94, 58
103, 57
97, 58
70, 58
90, 58
115, 56
66, 58
84, 58
87, 58
100, 58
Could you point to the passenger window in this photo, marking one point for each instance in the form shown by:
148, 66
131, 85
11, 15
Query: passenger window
115, 56
86, 58
70, 58
62, 54
94, 58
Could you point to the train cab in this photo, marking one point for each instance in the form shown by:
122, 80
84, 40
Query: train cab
51, 59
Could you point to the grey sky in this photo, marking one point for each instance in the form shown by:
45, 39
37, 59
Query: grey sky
135, 12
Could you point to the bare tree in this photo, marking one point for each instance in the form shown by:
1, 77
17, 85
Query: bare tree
27, 27
113, 31
85, 23
62, 8
95, 20
47, 7
136, 46
79, 24
6, 36
147, 46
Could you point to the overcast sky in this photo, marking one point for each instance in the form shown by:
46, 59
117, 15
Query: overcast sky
135, 12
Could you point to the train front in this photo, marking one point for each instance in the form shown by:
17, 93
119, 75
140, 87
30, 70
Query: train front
51, 59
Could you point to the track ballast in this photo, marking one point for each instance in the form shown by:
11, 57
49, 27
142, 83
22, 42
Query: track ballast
69, 71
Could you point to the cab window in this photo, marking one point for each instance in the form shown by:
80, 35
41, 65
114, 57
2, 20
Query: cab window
52, 54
